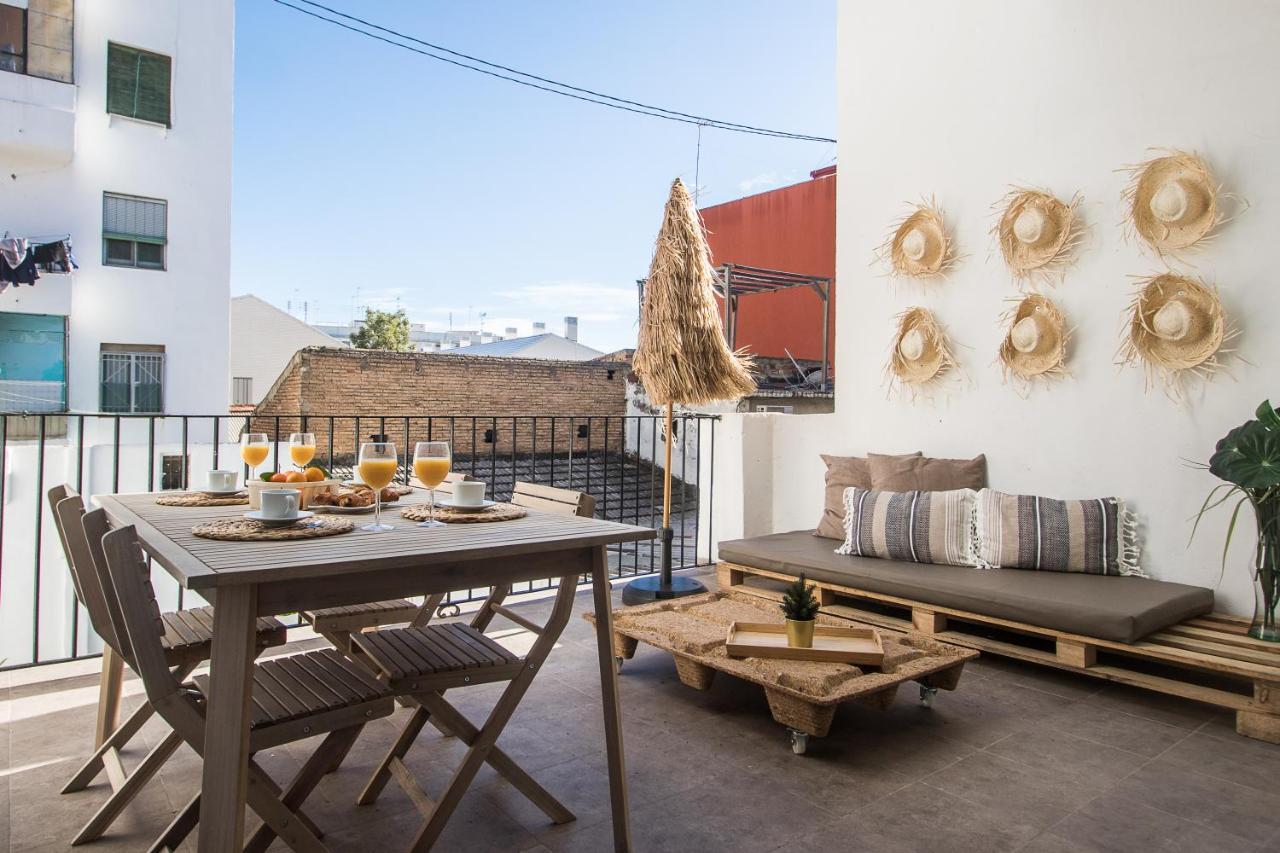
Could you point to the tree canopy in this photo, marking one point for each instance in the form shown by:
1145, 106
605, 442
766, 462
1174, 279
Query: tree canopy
388, 330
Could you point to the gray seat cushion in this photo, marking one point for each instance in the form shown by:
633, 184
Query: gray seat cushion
1123, 609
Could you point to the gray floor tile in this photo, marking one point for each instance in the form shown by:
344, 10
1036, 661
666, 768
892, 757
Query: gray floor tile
1235, 759
1232, 808
1115, 824
1085, 763
1109, 726
1025, 797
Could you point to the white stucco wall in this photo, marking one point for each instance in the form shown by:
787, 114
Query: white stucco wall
189, 165
263, 341
960, 100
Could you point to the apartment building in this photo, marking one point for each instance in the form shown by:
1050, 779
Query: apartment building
115, 135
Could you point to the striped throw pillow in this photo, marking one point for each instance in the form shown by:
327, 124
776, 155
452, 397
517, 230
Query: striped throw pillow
1097, 536
920, 527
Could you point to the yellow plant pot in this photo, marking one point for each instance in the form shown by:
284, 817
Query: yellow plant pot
800, 633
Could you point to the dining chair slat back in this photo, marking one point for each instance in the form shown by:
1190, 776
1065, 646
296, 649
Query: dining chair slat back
552, 499
68, 507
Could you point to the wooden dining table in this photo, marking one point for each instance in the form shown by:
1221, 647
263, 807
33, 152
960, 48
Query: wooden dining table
245, 580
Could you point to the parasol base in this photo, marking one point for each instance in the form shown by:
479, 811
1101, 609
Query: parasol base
650, 589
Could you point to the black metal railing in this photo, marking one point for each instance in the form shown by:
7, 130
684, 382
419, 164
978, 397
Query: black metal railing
616, 459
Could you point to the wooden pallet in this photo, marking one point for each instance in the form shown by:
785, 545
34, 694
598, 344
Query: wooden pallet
1209, 659
802, 695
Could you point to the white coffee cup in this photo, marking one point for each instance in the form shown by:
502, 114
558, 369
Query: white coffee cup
469, 493
279, 503
222, 481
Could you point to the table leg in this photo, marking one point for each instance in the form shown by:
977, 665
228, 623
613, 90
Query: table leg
609, 699
226, 741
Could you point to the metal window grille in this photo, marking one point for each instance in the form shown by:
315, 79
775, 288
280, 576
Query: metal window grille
132, 382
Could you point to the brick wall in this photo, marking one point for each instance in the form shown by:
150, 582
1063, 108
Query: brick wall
428, 388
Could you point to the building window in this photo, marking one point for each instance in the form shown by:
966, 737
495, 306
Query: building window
135, 231
33, 363
132, 378
138, 83
242, 391
13, 39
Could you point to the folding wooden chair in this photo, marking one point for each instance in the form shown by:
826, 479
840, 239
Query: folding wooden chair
186, 644
294, 698
337, 624
422, 661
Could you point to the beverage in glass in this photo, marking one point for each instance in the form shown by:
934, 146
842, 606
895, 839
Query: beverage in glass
254, 449
377, 468
302, 448
431, 463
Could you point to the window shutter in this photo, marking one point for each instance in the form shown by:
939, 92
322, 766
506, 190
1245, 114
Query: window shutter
134, 217
138, 84
122, 76
153, 88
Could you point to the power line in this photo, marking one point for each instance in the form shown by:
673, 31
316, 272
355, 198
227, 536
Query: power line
533, 81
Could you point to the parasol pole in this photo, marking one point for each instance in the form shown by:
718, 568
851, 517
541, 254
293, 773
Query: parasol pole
668, 535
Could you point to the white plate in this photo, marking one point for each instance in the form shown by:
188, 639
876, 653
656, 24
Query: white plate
466, 507
344, 510
271, 521
222, 493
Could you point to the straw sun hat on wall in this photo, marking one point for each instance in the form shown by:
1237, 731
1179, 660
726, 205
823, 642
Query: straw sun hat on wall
1035, 341
919, 245
1037, 232
1176, 327
921, 353
1173, 201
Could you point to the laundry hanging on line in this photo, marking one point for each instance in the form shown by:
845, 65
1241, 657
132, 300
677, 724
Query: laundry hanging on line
23, 260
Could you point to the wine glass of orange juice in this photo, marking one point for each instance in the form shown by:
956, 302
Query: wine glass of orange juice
431, 463
254, 448
377, 468
302, 448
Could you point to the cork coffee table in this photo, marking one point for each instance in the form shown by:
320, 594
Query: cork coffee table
802, 695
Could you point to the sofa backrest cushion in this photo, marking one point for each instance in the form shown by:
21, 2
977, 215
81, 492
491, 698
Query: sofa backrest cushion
925, 473
918, 527
843, 472
1095, 536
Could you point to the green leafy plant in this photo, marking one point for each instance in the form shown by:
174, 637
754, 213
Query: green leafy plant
388, 330
1247, 459
798, 601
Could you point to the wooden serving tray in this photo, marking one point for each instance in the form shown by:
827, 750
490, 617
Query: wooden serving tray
831, 645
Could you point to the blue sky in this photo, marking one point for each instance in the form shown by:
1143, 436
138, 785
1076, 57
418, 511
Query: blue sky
369, 175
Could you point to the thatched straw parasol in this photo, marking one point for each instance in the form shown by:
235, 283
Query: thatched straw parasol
681, 356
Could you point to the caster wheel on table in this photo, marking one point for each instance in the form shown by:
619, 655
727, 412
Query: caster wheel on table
617, 663
927, 695
799, 742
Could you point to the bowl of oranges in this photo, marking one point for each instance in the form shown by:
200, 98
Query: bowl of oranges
309, 482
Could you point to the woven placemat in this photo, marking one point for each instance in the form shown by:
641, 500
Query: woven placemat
244, 530
197, 499
497, 512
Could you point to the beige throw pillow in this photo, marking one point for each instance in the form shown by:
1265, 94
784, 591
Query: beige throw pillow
843, 472
926, 474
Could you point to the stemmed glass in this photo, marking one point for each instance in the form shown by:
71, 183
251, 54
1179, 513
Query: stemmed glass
431, 463
302, 448
254, 448
377, 468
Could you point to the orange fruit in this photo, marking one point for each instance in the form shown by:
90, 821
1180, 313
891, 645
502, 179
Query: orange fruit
279, 477
314, 475
295, 477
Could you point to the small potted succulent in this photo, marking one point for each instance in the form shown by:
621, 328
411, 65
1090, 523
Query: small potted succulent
800, 606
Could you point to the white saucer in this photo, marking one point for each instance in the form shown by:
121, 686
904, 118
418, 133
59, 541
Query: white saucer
483, 505
220, 493
272, 521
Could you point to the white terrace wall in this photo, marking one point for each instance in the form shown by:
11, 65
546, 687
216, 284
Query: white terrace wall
960, 100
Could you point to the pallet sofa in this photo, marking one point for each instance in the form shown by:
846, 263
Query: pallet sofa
1151, 634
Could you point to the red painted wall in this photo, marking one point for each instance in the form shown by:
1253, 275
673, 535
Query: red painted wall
791, 229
